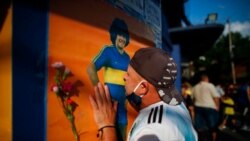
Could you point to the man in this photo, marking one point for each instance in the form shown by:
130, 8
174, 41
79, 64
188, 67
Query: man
186, 93
149, 84
243, 104
115, 61
206, 102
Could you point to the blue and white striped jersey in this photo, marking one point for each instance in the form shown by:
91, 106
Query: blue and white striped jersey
163, 122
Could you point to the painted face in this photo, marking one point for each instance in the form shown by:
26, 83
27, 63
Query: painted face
120, 41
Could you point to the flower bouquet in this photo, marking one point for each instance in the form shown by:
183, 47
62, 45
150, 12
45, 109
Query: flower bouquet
64, 91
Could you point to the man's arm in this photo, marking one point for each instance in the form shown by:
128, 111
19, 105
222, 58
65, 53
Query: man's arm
92, 73
216, 96
104, 113
217, 103
192, 113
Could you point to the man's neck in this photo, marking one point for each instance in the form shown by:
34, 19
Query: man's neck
120, 50
149, 101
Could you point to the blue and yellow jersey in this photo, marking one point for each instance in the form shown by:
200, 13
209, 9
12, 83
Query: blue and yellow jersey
115, 64
229, 110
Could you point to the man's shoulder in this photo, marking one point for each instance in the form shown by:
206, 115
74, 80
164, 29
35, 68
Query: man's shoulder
161, 114
127, 55
153, 114
156, 114
108, 47
203, 83
211, 85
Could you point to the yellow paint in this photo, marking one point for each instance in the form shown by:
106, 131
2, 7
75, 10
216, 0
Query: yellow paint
114, 76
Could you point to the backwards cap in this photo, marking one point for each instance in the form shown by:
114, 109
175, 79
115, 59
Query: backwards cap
157, 67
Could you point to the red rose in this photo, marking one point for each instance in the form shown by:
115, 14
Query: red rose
69, 101
67, 87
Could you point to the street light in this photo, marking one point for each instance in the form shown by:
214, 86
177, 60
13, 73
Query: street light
231, 51
211, 18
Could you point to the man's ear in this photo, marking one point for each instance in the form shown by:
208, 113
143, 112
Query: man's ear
144, 88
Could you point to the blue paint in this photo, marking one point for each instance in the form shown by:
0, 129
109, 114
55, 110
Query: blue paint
29, 70
176, 54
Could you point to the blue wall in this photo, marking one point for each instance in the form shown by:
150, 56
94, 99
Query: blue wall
29, 69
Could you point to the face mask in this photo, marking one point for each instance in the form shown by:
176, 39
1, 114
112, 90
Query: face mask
134, 99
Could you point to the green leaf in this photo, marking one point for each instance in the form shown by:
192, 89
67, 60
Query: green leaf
69, 107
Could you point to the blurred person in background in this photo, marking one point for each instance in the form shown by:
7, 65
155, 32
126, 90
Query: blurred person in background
243, 103
186, 92
206, 102
227, 106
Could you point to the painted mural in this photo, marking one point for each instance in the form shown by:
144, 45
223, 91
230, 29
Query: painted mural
89, 42
79, 35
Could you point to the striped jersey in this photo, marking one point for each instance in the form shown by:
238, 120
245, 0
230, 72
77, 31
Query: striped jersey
163, 122
115, 66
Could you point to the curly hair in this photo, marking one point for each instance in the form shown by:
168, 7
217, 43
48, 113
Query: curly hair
119, 27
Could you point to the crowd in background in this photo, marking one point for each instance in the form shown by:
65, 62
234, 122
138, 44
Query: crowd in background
217, 107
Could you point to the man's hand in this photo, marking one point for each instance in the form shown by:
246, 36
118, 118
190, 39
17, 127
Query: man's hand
103, 107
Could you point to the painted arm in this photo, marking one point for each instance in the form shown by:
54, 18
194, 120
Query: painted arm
92, 73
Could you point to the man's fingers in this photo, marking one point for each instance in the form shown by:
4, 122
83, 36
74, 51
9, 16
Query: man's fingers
98, 97
115, 105
103, 108
107, 95
93, 102
101, 90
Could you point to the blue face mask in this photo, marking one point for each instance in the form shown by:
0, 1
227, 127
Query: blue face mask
134, 99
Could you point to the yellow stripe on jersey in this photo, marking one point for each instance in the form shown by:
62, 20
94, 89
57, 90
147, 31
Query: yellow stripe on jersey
114, 76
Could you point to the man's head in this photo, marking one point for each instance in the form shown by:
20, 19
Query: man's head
119, 34
204, 78
156, 67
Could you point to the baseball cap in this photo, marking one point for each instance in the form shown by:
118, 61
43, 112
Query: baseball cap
158, 68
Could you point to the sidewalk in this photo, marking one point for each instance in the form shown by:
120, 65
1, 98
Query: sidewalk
233, 135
